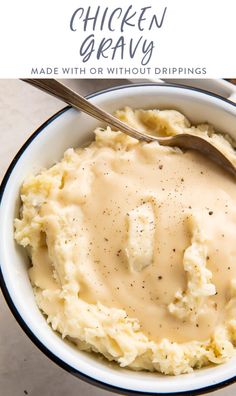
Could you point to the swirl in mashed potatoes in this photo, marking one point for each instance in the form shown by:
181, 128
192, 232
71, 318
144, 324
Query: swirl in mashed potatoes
133, 247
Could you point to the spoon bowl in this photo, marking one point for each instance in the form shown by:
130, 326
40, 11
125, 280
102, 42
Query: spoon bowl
185, 141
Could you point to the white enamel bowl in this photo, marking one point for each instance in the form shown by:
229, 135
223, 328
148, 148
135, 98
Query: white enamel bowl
70, 128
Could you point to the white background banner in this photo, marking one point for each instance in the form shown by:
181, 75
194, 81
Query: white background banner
118, 38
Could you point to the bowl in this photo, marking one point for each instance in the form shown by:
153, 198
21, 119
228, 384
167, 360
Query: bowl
70, 128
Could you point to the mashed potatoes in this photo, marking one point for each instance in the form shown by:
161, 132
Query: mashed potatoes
133, 247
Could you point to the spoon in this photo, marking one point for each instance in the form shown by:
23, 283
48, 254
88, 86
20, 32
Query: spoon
185, 141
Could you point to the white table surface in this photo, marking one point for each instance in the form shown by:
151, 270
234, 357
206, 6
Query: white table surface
23, 368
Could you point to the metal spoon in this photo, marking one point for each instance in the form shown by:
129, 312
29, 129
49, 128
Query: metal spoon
185, 141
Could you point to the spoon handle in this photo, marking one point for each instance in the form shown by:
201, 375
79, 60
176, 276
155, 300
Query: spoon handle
61, 91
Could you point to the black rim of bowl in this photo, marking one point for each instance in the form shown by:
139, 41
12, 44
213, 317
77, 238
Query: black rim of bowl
11, 304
